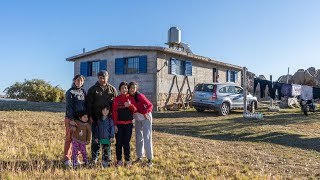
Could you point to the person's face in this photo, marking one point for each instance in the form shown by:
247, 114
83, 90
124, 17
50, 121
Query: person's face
133, 89
79, 82
103, 80
84, 118
105, 112
124, 89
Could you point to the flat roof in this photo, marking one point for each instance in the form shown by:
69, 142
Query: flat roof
154, 48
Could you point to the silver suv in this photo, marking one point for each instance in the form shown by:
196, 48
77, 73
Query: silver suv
220, 97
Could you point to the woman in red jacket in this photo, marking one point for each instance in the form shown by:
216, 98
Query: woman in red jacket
123, 108
143, 123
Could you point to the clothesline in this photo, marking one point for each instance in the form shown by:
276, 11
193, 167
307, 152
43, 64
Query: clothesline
286, 90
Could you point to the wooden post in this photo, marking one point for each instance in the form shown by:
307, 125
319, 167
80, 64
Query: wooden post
245, 89
271, 100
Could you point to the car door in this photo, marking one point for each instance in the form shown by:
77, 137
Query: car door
238, 97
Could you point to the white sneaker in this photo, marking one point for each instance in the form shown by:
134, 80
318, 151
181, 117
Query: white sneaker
149, 164
128, 163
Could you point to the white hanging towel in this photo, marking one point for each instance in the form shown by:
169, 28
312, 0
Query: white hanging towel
306, 92
296, 89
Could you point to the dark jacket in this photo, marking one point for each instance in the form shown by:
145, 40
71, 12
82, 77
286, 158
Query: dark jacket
75, 101
98, 97
104, 129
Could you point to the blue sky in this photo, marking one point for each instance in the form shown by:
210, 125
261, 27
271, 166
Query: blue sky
266, 36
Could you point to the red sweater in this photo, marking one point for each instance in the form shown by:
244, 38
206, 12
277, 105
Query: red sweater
143, 104
120, 113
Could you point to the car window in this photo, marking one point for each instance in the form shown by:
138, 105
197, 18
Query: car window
198, 87
238, 90
230, 89
208, 87
223, 90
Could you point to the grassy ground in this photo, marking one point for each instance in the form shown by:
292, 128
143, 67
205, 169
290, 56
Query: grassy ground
187, 145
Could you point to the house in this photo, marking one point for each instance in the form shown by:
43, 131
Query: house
166, 76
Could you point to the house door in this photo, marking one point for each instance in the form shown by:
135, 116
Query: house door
215, 75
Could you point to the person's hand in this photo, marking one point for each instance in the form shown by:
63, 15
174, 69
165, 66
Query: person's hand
97, 140
111, 140
73, 123
147, 116
127, 104
115, 129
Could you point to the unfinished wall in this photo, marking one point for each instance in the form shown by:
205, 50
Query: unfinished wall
169, 85
146, 81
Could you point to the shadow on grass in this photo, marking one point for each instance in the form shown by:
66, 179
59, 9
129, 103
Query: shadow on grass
238, 129
32, 106
32, 165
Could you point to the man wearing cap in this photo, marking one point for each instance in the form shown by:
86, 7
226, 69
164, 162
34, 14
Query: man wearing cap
99, 95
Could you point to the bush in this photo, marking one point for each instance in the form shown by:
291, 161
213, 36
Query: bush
35, 90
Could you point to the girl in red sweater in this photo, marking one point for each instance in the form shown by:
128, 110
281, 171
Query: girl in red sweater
123, 108
143, 123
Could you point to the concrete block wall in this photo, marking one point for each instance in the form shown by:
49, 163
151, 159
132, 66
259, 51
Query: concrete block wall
168, 87
146, 81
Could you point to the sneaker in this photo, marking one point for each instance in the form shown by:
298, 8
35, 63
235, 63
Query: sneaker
149, 164
67, 164
128, 163
93, 161
137, 161
105, 164
119, 163
87, 164
80, 162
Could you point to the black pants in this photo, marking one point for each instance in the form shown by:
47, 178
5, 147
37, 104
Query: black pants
95, 147
123, 138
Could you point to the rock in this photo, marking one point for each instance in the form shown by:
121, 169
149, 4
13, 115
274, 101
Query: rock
312, 71
298, 77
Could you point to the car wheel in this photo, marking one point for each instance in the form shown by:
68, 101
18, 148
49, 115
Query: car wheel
224, 109
200, 110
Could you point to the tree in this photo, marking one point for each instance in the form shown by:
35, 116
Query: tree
35, 90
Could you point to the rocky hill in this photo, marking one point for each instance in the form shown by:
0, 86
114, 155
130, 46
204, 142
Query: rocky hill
310, 77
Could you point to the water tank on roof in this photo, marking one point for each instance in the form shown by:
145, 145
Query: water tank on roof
174, 35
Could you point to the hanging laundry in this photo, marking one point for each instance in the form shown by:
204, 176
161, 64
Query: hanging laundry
306, 92
316, 93
286, 90
263, 84
296, 90
277, 88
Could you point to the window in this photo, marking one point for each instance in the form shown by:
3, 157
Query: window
92, 68
238, 90
131, 65
232, 76
180, 67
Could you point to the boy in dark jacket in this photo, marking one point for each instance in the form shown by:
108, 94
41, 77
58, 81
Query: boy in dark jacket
104, 134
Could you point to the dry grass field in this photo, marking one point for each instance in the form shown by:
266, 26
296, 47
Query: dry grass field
187, 145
